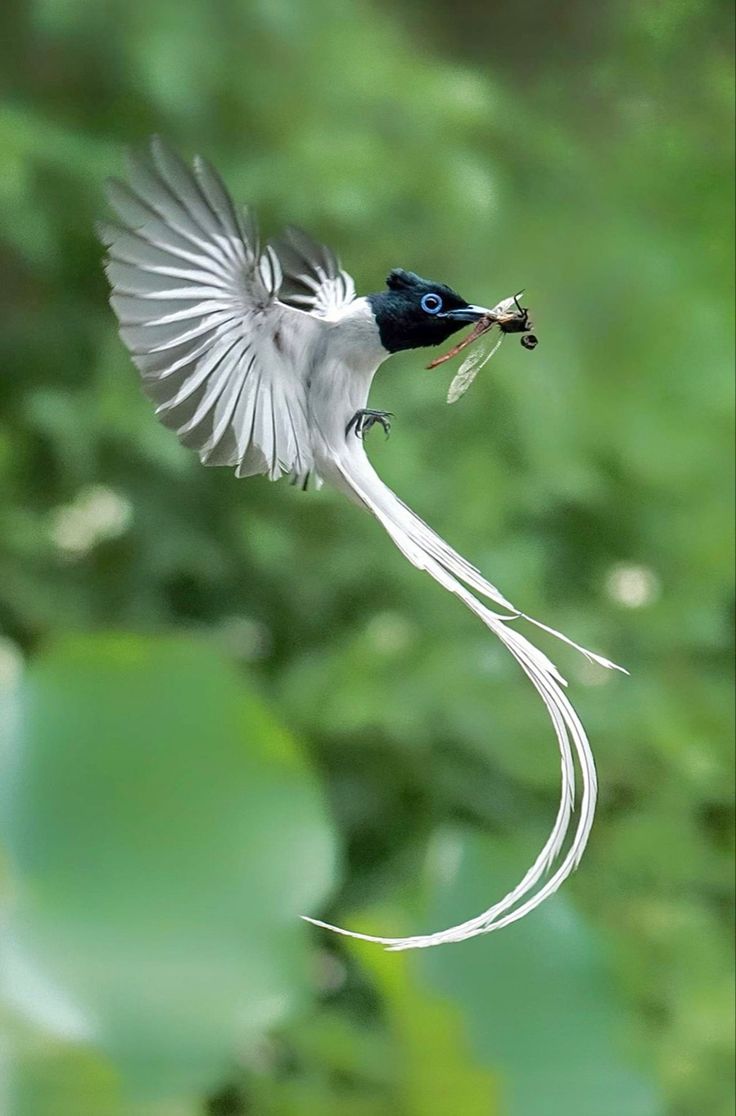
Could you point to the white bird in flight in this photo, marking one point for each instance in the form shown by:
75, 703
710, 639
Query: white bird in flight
263, 360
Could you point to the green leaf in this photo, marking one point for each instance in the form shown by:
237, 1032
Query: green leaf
539, 998
439, 1072
165, 834
530, 1015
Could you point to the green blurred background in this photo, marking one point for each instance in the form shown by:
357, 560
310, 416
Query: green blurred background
224, 704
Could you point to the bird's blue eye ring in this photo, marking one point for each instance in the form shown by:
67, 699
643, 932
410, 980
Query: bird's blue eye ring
431, 303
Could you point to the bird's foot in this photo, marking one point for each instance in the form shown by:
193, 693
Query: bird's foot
362, 421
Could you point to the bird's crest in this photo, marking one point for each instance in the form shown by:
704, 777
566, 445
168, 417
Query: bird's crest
400, 280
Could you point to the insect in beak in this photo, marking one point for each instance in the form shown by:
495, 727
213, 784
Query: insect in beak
510, 317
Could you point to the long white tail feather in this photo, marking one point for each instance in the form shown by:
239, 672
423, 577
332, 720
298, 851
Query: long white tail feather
427, 551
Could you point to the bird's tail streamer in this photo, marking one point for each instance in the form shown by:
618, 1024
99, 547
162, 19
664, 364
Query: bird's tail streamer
427, 551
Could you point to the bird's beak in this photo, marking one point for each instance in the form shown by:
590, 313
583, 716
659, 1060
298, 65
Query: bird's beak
467, 314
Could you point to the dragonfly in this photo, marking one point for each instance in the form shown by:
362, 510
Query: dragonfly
510, 317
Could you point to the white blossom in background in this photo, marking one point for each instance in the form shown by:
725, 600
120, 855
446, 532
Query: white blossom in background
11, 674
244, 638
632, 586
11, 664
96, 515
330, 972
445, 856
389, 633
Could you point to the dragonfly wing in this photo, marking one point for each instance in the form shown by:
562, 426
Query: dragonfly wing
470, 368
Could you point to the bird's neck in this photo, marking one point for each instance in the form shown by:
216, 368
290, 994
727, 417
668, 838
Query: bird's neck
354, 338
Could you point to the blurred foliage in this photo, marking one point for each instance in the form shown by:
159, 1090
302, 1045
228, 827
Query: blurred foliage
149, 780
162, 830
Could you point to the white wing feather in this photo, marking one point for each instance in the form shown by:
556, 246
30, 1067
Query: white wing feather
219, 355
313, 279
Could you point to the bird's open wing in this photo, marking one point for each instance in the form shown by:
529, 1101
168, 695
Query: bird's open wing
313, 279
221, 357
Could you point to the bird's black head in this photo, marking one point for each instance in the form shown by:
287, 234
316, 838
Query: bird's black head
415, 312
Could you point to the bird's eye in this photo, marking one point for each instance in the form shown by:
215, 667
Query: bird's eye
431, 303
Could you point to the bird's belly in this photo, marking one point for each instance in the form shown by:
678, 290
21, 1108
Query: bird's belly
335, 393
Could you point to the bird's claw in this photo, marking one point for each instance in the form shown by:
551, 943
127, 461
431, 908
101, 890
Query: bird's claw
362, 421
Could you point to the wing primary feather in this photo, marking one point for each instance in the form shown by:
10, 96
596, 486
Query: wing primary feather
225, 404
181, 188
240, 222
213, 385
243, 424
153, 194
142, 224
202, 371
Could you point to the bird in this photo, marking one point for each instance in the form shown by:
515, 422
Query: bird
261, 358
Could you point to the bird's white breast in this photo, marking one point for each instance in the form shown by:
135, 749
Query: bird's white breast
344, 366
